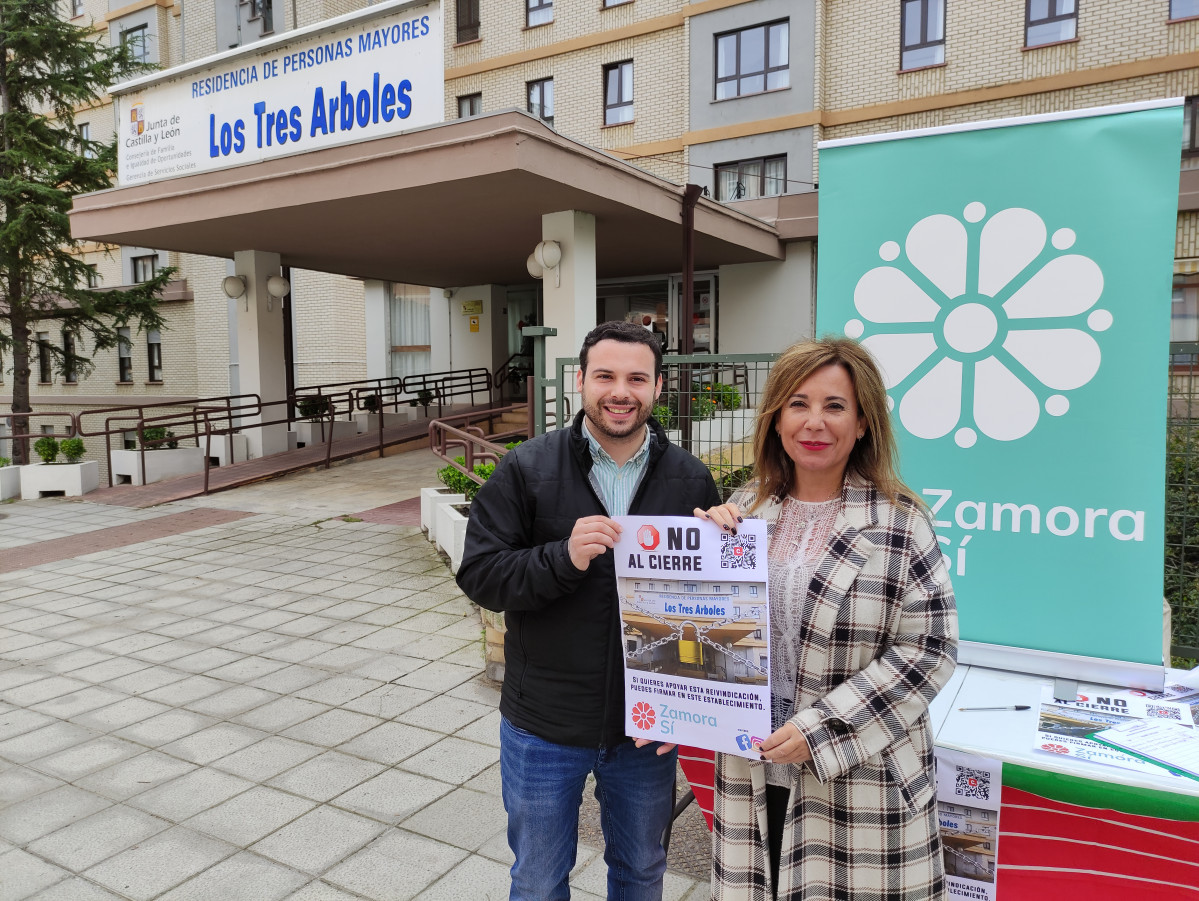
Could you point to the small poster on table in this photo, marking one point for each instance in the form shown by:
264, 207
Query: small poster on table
969, 792
1065, 727
695, 623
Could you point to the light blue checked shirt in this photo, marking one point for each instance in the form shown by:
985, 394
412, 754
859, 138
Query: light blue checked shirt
614, 484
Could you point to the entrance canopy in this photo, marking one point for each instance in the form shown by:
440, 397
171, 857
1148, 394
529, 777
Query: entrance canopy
454, 204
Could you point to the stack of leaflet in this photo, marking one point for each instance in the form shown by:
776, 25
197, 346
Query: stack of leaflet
1068, 727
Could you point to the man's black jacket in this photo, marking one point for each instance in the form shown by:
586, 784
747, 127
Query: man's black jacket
564, 678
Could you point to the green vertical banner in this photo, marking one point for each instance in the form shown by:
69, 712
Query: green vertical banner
1012, 278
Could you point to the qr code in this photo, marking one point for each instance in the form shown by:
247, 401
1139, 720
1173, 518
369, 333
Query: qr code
973, 784
738, 551
1162, 713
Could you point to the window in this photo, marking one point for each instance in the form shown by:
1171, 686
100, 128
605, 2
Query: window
45, 371
93, 276
129, 440
1190, 127
539, 12
468, 20
124, 355
541, 99
264, 10
752, 60
608, 3
1184, 9
84, 129
1184, 309
144, 268
136, 40
470, 105
922, 33
618, 93
68, 360
76, 8
154, 355
1050, 21
747, 179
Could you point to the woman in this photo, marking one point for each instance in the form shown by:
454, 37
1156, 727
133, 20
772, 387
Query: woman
863, 634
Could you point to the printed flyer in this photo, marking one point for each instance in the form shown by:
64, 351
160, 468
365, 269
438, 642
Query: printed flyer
1065, 727
969, 792
694, 616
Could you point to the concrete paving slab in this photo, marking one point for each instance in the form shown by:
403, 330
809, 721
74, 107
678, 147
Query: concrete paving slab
42, 814
326, 776
250, 816
161, 862
464, 818
389, 743
266, 759
319, 839
244, 875
102, 835
396, 867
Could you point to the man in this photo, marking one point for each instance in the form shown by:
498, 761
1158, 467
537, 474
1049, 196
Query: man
538, 549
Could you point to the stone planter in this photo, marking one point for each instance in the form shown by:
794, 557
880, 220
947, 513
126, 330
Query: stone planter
495, 629
310, 433
222, 445
162, 463
451, 519
430, 500
54, 479
369, 422
10, 482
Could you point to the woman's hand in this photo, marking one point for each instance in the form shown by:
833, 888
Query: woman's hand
727, 516
787, 745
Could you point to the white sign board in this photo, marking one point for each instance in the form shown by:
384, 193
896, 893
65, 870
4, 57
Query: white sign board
695, 622
357, 78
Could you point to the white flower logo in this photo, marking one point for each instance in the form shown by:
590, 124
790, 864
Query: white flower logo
987, 359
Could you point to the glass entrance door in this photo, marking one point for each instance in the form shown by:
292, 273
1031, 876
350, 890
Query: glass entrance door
703, 313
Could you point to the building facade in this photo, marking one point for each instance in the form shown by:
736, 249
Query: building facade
730, 95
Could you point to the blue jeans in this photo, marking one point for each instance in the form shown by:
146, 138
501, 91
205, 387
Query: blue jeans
543, 789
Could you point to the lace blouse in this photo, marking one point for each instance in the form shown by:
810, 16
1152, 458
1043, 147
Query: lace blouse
797, 544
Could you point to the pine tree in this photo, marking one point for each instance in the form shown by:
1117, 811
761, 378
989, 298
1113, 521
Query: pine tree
48, 69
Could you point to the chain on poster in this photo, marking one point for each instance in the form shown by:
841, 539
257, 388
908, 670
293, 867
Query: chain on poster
694, 620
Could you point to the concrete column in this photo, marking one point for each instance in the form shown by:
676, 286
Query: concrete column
260, 349
378, 328
570, 293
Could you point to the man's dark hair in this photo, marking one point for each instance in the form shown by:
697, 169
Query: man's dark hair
629, 333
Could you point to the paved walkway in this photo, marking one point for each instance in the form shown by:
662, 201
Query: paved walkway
273, 703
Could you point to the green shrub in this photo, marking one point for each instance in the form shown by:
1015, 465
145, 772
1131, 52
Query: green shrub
726, 396
424, 397
370, 403
72, 449
46, 448
1182, 534
5, 461
664, 415
312, 407
157, 437
459, 482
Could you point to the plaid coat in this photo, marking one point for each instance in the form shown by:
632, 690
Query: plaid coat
879, 642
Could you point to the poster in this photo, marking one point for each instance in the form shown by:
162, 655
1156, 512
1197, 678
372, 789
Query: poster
695, 622
969, 792
1065, 726
1012, 279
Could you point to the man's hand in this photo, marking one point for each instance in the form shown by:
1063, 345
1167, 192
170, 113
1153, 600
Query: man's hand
591, 536
787, 745
664, 747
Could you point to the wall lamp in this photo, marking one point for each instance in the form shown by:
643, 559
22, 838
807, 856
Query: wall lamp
545, 257
277, 287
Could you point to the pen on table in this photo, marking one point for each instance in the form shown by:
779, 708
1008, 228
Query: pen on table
1013, 707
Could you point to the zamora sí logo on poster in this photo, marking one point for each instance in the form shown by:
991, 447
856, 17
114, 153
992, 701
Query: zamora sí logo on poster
979, 323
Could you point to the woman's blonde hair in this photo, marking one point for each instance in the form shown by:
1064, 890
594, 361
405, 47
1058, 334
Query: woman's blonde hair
874, 457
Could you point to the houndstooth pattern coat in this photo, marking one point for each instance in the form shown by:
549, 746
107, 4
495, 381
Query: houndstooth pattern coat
879, 641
